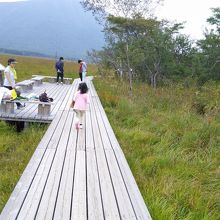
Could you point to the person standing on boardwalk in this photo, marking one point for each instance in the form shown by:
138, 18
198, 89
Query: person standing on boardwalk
10, 77
59, 66
10, 74
82, 70
81, 99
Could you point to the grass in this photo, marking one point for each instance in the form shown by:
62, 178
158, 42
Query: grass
28, 66
173, 152
16, 150
170, 137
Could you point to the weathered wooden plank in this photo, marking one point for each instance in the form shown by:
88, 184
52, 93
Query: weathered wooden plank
48, 200
59, 99
110, 207
64, 197
50, 131
109, 201
79, 206
88, 127
131, 185
124, 204
36, 191
66, 102
134, 193
105, 140
95, 208
32, 199
95, 128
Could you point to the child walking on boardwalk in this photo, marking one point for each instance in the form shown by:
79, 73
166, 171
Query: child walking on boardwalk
81, 99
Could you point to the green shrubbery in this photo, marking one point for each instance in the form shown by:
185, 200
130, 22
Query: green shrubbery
171, 147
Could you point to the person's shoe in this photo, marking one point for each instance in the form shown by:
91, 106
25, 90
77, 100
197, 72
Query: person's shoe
61, 83
57, 83
80, 126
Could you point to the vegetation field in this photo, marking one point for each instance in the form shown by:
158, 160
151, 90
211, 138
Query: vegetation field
169, 135
172, 146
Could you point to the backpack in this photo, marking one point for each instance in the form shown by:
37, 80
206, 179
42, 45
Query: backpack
44, 98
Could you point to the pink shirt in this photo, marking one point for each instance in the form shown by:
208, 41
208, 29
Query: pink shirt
81, 101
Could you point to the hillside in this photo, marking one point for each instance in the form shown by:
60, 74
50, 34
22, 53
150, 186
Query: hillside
49, 27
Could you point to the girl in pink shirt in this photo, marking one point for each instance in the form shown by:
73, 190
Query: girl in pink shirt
81, 99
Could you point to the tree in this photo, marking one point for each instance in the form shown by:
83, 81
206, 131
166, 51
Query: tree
123, 8
210, 47
155, 49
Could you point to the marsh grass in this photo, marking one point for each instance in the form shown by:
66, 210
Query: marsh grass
28, 66
16, 150
173, 151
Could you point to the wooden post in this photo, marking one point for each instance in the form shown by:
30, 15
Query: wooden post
1, 78
7, 107
52, 80
44, 109
66, 81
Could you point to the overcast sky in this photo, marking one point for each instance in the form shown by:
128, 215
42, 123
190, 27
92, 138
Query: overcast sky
194, 12
12, 0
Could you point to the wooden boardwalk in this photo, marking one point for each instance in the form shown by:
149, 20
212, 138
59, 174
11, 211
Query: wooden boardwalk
30, 112
77, 174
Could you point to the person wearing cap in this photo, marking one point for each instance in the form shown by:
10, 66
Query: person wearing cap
10, 77
82, 70
59, 68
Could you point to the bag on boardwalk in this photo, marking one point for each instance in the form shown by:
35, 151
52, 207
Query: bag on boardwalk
44, 98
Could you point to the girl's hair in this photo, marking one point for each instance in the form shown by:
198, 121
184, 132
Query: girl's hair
83, 88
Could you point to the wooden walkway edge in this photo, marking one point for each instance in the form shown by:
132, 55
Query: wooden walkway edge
77, 174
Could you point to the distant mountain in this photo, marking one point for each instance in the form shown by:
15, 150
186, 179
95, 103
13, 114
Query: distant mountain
23, 53
53, 27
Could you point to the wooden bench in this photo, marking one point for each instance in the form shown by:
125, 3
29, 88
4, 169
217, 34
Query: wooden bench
38, 80
26, 85
53, 79
8, 106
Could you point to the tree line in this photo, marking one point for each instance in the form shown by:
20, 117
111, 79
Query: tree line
141, 47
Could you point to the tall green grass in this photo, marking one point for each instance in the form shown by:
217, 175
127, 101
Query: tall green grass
16, 150
173, 151
28, 66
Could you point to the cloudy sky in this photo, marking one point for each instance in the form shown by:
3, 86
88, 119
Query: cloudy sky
12, 0
194, 12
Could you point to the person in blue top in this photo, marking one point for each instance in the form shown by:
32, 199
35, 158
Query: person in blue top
59, 66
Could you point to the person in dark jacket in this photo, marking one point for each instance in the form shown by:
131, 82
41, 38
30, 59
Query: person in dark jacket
60, 69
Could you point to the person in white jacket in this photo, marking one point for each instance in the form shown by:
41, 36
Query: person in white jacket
10, 77
10, 74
